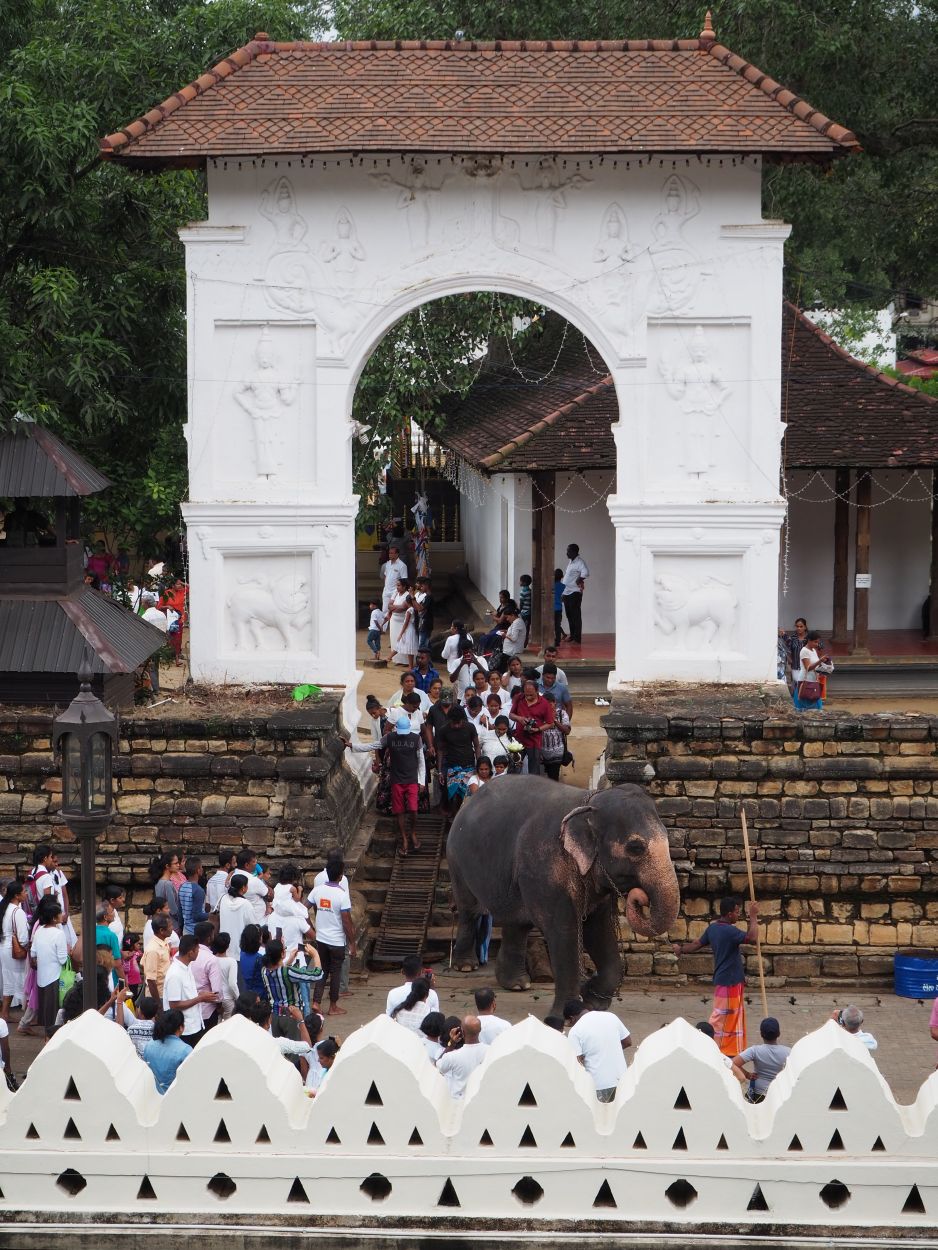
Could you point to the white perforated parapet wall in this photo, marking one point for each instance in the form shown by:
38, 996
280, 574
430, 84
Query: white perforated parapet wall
236, 1135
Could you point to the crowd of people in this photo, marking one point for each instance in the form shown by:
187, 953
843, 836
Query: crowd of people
437, 743
230, 942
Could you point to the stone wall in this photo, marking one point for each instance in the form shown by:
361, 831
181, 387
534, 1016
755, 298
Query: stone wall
843, 820
275, 781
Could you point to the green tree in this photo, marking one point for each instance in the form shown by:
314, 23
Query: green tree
92, 287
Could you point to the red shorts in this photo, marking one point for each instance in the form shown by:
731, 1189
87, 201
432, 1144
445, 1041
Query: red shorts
403, 798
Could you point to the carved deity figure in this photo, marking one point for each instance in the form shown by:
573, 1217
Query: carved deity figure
613, 242
265, 399
343, 251
701, 390
263, 604
676, 265
278, 205
705, 605
415, 201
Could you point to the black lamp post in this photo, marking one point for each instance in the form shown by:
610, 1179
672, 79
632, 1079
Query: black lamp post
87, 732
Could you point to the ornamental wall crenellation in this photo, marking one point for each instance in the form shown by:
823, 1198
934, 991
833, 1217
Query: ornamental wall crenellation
843, 819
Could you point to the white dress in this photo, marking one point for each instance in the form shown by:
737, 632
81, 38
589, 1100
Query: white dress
14, 970
402, 614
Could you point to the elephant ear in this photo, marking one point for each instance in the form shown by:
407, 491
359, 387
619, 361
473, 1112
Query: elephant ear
578, 838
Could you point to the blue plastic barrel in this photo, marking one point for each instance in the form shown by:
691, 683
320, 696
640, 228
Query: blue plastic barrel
916, 974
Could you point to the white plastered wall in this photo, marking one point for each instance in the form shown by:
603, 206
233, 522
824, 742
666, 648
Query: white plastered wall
664, 264
900, 550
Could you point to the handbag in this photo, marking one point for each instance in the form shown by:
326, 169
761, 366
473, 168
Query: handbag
809, 691
67, 978
19, 950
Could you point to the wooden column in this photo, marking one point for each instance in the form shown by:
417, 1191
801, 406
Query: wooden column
861, 596
933, 581
543, 494
841, 553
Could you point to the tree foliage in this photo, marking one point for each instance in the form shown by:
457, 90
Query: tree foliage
92, 287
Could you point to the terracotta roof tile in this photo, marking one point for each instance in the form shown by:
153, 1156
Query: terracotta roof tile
839, 411
690, 95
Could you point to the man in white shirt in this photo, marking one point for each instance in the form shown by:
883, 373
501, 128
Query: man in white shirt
180, 992
217, 884
574, 582
599, 1041
467, 664
491, 1024
151, 612
392, 571
334, 929
850, 1019
257, 891
411, 966
458, 1065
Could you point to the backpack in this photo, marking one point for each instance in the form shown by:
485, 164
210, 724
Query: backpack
33, 897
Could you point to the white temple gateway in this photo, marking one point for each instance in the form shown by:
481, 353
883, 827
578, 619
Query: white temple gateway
618, 183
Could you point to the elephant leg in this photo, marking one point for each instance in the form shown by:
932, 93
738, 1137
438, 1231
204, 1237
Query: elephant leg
601, 942
561, 926
511, 968
467, 909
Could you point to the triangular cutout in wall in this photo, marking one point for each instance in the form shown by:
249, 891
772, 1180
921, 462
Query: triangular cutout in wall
721, 1144
221, 1133
71, 1131
680, 1141
112, 1134
448, 1196
639, 1142
604, 1196
223, 1093
527, 1098
486, 1138
263, 1137
878, 1144
333, 1138
913, 1205
415, 1138
836, 1142
71, 1091
757, 1202
795, 1143
527, 1138
297, 1192
146, 1192
373, 1098
374, 1136
182, 1134
682, 1102
32, 1133
568, 1141
838, 1102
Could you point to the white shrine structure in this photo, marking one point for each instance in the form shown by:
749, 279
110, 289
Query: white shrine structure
617, 183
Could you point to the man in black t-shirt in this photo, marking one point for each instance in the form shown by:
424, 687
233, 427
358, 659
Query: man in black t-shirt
404, 745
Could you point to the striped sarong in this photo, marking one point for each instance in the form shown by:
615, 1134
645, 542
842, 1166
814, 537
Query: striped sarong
729, 1018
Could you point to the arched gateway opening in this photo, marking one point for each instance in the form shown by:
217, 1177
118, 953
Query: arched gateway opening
485, 446
619, 183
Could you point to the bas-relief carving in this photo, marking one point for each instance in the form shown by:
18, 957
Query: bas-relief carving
416, 201
297, 280
269, 612
695, 613
265, 399
677, 267
698, 386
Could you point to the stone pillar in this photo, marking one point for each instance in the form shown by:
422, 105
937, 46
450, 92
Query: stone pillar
543, 493
933, 580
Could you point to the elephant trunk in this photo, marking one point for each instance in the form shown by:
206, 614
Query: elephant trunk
647, 919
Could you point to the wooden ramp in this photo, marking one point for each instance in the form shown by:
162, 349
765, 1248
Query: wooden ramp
410, 894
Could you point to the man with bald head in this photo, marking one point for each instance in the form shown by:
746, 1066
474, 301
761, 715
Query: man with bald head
458, 1065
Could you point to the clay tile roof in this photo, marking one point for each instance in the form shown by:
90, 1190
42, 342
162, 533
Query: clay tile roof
839, 411
557, 416
842, 412
636, 96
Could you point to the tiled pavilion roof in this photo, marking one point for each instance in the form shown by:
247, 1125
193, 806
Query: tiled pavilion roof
633, 96
839, 411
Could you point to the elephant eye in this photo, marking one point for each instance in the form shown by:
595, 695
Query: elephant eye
636, 846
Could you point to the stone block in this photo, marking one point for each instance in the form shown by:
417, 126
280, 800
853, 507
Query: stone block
213, 805
183, 764
678, 769
834, 934
840, 966
133, 804
701, 789
883, 935
35, 804
797, 967
638, 965
903, 884
246, 805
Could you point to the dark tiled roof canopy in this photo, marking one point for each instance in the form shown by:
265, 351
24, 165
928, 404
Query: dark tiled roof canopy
559, 418
54, 635
840, 412
635, 96
36, 464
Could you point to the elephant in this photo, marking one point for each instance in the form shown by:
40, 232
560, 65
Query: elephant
534, 852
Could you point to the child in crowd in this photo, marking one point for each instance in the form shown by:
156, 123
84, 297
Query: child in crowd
131, 951
229, 974
376, 624
140, 1027
525, 599
558, 607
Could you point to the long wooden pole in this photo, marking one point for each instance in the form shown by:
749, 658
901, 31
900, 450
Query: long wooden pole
752, 898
